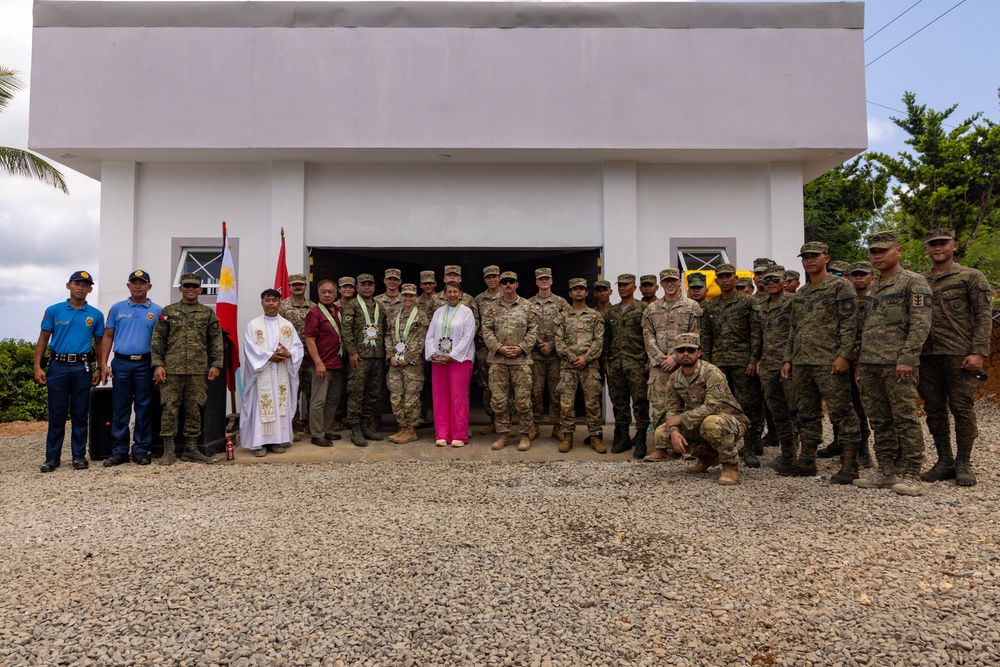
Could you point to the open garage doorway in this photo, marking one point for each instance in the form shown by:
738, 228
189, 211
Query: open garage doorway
565, 263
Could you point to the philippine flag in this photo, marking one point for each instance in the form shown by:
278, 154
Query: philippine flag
225, 309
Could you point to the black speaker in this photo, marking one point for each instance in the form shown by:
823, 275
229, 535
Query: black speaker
101, 412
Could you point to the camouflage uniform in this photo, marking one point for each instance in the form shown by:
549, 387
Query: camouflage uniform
661, 322
187, 341
625, 353
365, 383
296, 314
513, 323
580, 332
711, 418
960, 325
823, 327
730, 340
546, 369
775, 327
406, 382
897, 322
482, 365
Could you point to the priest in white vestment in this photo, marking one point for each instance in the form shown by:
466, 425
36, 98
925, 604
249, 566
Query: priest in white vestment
272, 355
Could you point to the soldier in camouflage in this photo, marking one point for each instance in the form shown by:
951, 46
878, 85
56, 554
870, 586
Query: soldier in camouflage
961, 325
662, 322
897, 321
602, 294
821, 339
545, 363
186, 344
453, 273
390, 301
697, 287
648, 288
760, 265
702, 416
792, 282
839, 268
363, 327
348, 287
510, 329
427, 302
730, 340
491, 276
579, 339
745, 285
294, 309
775, 330
404, 354
627, 367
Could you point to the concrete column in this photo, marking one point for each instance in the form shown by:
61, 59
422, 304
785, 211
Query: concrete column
784, 190
118, 252
288, 210
621, 225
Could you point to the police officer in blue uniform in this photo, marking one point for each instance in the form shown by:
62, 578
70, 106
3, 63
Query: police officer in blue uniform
74, 329
128, 332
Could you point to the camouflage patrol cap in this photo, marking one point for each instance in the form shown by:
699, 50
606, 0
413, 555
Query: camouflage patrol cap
347, 280
774, 270
452, 268
814, 246
940, 235
627, 278
648, 279
578, 282
139, 276
883, 240
366, 278
408, 288
791, 275
185, 278
862, 267
687, 340
297, 279
84, 277
762, 263
744, 282
723, 269
393, 273
670, 274
491, 270
543, 273
427, 277
602, 284
839, 266
508, 274
696, 279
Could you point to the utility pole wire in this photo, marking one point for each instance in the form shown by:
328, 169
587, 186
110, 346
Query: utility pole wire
961, 2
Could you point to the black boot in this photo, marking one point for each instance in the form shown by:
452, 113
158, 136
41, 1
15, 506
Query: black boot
749, 457
964, 475
621, 442
786, 460
945, 466
368, 431
639, 441
848, 467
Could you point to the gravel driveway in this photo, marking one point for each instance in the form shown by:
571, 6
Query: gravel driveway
492, 563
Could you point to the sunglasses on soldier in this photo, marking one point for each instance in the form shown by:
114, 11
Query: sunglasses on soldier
771, 280
508, 281
686, 350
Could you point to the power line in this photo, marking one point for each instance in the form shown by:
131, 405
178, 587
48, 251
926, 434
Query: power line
901, 111
961, 2
894, 20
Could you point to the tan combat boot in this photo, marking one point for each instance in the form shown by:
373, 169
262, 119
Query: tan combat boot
557, 432
567, 443
525, 443
408, 434
501, 442
397, 435
533, 433
488, 429
597, 442
730, 474
705, 462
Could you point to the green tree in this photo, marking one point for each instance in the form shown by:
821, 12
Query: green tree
19, 162
952, 179
21, 398
841, 204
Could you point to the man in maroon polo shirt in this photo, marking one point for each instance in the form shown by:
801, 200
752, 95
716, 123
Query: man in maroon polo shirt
325, 362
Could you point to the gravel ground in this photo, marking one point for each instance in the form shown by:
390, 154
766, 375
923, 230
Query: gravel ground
485, 563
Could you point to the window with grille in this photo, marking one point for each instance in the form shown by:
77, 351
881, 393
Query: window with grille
206, 261
701, 259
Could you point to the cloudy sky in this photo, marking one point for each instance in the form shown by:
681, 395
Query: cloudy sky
954, 60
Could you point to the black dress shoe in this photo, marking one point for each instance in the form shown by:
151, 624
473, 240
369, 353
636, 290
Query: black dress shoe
80, 463
332, 436
141, 459
322, 442
112, 461
50, 465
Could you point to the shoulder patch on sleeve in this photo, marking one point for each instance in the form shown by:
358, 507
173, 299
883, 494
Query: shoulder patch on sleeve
922, 297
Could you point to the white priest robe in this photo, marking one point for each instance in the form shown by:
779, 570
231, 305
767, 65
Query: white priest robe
270, 389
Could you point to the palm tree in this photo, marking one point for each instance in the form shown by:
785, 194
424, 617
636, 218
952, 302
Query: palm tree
19, 162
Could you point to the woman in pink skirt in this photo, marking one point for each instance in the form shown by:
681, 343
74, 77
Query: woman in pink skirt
451, 349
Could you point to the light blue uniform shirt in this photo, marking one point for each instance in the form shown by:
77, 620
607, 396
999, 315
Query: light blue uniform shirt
73, 329
133, 326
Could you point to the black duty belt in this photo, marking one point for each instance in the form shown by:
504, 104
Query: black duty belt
135, 357
73, 358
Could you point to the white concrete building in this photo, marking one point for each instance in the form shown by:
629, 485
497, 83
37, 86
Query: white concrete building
593, 137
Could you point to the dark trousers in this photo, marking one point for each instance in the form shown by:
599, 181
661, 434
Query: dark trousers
133, 385
69, 391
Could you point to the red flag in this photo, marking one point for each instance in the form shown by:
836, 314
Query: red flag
281, 274
225, 309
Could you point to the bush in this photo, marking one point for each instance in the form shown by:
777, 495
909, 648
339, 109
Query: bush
21, 398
